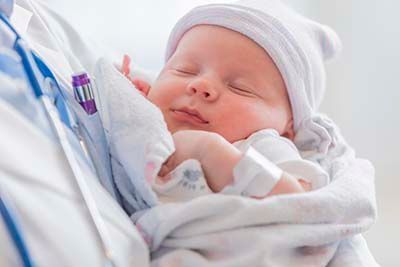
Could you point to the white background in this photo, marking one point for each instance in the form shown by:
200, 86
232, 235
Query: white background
363, 94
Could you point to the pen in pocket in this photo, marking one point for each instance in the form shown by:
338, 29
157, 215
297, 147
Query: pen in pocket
83, 92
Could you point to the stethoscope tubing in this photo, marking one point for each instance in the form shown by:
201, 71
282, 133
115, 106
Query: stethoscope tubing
15, 233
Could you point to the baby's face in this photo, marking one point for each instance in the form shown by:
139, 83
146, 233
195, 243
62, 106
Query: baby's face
220, 81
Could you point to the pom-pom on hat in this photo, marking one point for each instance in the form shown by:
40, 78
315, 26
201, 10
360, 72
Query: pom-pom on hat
298, 46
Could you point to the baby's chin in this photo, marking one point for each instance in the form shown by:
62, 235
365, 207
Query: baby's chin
230, 138
174, 127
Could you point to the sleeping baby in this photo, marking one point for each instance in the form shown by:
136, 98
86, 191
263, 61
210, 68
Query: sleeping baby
210, 157
233, 97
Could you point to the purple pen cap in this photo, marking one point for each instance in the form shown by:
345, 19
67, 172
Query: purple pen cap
80, 79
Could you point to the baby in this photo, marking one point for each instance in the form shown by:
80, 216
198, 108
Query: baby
234, 93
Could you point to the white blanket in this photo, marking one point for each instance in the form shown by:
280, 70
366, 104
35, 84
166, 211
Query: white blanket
286, 230
137, 134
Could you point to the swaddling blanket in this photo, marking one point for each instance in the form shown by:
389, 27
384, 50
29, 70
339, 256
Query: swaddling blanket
138, 137
318, 228
284, 230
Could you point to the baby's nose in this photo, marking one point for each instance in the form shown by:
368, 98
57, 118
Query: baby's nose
203, 89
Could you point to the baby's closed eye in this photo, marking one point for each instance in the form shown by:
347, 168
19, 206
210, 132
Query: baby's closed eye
186, 69
241, 89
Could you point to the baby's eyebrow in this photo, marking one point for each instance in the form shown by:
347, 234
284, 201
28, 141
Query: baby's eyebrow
181, 60
186, 55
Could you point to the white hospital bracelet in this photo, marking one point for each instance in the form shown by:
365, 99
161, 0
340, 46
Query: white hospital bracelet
254, 175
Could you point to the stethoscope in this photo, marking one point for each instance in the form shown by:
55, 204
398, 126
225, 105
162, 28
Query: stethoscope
15, 233
48, 92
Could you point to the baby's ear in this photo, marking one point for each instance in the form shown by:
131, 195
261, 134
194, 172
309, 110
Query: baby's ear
142, 86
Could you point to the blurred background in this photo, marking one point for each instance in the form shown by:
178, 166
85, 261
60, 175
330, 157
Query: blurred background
363, 94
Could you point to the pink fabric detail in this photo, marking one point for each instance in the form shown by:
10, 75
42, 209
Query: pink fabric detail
149, 170
144, 235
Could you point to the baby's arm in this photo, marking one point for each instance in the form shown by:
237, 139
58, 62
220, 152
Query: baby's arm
208, 148
222, 157
269, 155
289, 184
218, 158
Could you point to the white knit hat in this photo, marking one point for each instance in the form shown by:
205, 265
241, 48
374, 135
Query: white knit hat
297, 45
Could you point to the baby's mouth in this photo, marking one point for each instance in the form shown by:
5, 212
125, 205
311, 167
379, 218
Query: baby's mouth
190, 114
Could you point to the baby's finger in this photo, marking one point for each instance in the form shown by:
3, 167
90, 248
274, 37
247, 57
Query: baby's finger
163, 171
125, 65
167, 166
307, 186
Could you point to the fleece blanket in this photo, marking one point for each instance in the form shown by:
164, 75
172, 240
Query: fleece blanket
287, 230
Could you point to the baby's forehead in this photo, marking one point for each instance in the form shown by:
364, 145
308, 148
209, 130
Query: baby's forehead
217, 41
221, 46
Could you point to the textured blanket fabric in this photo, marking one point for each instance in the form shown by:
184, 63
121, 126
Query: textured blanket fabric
287, 230
138, 137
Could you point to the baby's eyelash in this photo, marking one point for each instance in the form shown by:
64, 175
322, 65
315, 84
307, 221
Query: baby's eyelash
244, 92
240, 89
184, 71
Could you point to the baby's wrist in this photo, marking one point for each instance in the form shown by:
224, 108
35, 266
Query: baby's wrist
209, 143
218, 161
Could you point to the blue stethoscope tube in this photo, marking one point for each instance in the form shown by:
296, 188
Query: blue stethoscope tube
15, 233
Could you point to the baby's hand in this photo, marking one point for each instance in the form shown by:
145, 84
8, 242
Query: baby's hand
189, 144
142, 86
216, 156
125, 67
